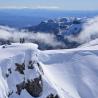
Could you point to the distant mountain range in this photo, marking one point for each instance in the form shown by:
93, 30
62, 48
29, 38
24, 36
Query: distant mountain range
61, 28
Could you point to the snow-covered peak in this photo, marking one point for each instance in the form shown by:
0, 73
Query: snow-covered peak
21, 75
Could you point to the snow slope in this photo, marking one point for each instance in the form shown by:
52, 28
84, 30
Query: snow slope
73, 72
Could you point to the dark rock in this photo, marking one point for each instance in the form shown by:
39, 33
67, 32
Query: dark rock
20, 87
8, 42
53, 96
10, 93
20, 68
3, 47
7, 75
34, 87
40, 68
31, 65
9, 70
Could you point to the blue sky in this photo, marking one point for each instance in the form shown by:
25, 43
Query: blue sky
51, 4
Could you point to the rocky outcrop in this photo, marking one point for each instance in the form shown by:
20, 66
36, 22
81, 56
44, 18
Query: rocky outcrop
31, 65
33, 84
52, 96
20, 68
20, 87
34, 87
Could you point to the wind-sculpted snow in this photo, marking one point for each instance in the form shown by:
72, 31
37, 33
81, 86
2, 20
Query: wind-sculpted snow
74, 72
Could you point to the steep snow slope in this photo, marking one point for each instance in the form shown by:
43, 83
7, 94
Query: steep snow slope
73, 72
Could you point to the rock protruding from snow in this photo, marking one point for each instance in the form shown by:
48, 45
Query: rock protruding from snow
34, 87
52, 96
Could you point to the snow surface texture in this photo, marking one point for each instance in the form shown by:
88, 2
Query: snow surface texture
72, 73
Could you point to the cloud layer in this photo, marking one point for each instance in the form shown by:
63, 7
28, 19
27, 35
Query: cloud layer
15, 35
88, 33
90, 30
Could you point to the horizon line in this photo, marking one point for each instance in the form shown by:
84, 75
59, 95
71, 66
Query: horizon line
47, 8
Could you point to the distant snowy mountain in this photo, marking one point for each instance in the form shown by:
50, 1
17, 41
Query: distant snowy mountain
57, 26
60, 33
51, 34
62, 29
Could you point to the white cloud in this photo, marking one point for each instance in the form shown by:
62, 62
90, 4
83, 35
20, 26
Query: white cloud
29, 7
45, 38
88, 33
90, 30
47, 7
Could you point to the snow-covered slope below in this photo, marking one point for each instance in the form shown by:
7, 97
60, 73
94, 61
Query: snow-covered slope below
73, 72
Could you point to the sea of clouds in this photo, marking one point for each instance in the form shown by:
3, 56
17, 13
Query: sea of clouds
14, 35
88, 33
